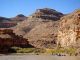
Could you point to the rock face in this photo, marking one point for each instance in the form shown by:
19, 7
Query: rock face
2, 19
43, 35
18, 18
47, 13
40, 30
8, 39
47, 28
43, 30
5, 22
69, 32
11, 22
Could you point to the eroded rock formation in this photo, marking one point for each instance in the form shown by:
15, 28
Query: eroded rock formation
44, 32
47, 13
69, 32
11, 22
47, 28
41, 32
9, 39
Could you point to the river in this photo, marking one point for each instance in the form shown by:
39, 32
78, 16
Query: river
38, 57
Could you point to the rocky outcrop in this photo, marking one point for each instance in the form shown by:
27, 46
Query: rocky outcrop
7, 24
18, 18
43, 35
47, 13
11, 22
3, 19
9, 39
47, 28
69, 32
40, 32
44, 32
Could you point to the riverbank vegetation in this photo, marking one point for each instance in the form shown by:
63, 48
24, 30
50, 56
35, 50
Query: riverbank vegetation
56, 51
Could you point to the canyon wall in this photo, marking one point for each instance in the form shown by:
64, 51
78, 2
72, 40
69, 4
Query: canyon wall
69, 31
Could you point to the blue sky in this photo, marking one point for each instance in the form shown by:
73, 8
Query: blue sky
10, 8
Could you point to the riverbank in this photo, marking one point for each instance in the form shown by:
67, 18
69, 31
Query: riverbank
43, 53
38, 57
38, 51
56, 51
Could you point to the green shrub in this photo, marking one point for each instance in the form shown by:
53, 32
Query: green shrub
69, 51
25, 50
